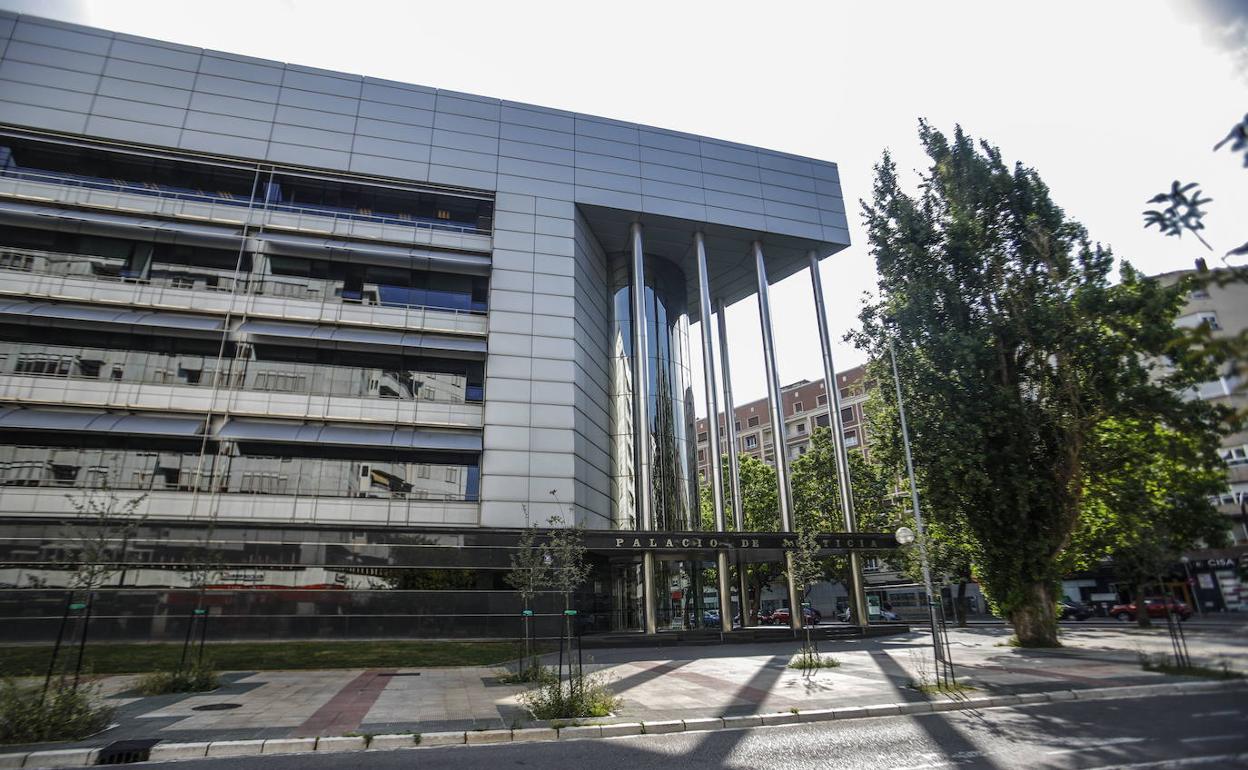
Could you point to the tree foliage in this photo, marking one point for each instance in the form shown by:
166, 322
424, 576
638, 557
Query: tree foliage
1148, 498
1013, 347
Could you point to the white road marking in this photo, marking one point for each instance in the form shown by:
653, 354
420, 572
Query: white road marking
1096, 744
1221, 760
1229, 713
1202, 738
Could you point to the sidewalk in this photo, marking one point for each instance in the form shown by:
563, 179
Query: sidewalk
653, 683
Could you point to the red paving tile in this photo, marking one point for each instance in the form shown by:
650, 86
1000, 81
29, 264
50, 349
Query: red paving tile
346, 710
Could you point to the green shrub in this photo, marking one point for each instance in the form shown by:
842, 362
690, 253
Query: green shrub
195, 678
65, 714
585, 696
809, 658
534, 672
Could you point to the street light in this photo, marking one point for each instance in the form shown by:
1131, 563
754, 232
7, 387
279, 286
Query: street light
905, 535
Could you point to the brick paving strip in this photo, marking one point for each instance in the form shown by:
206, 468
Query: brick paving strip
345, 711
169, 751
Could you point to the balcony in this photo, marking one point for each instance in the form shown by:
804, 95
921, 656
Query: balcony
154, 200
117, 379
51, 503
82, 278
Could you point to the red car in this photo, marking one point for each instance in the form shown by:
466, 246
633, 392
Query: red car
1156, 607
810, 616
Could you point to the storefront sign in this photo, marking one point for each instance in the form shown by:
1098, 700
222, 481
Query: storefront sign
732, 541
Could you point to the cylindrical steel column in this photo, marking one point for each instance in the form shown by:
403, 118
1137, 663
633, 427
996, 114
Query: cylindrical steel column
777, 427
724, 581
734, 466
641, 421
857, 598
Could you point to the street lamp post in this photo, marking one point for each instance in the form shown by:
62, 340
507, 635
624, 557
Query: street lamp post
918, 520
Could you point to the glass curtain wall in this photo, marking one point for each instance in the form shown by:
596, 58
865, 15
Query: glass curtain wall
669, 393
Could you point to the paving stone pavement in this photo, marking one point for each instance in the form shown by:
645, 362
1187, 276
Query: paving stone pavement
652, 683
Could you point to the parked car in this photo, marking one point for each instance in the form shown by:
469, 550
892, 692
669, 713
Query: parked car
810, 616
1072, 610
1155, 606
710, 618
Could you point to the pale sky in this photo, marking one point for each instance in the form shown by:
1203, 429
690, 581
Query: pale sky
1110, 101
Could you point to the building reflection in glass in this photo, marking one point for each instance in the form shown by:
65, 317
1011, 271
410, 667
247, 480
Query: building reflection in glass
673, 492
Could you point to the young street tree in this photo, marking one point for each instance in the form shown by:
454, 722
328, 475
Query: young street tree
529, 574
1013, 348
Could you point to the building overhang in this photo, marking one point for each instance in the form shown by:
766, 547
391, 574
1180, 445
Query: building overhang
729, 259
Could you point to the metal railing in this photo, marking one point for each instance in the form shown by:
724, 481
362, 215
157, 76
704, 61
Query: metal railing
147, 471
196, 370
194, 278
167, 193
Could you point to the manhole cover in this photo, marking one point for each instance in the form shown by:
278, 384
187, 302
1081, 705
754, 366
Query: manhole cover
217, 707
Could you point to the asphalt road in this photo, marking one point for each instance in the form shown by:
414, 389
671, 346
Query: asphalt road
1203, 730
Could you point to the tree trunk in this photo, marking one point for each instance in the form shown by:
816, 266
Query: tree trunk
1035, 624
959, 605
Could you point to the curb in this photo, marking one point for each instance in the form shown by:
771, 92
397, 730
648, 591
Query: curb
162, 752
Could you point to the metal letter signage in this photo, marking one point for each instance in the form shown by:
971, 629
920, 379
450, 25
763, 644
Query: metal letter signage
732, 541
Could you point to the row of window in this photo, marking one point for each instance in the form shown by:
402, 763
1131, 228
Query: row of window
849, 416
245, 372
187, 179
91, 258
146, 471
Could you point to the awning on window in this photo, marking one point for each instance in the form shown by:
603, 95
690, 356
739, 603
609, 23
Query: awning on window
356, 336
103, 223
31, 313
374, 253
350, 435
88, 421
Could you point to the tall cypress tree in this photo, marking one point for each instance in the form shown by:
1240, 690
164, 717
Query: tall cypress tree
1013, 346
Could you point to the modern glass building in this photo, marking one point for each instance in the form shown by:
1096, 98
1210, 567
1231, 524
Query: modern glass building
307, 348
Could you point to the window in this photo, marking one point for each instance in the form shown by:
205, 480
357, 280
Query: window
847, 414
702, 438
751, 442
799, 429
1236, 455
851, 438
871, 564
752, 422
737, 425
1210, 320
701, 455
821, 400
452, 474
1200, 294
797, 407
822, 421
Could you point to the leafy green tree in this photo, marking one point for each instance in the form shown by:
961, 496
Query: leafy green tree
816, 489
760, 500
951, 546
1148, 498
817, 498
1013, 347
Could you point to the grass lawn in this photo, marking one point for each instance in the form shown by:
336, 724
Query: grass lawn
261, 656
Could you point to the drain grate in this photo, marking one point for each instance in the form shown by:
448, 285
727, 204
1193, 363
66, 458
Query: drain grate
403, 673
126, 752
217, 707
